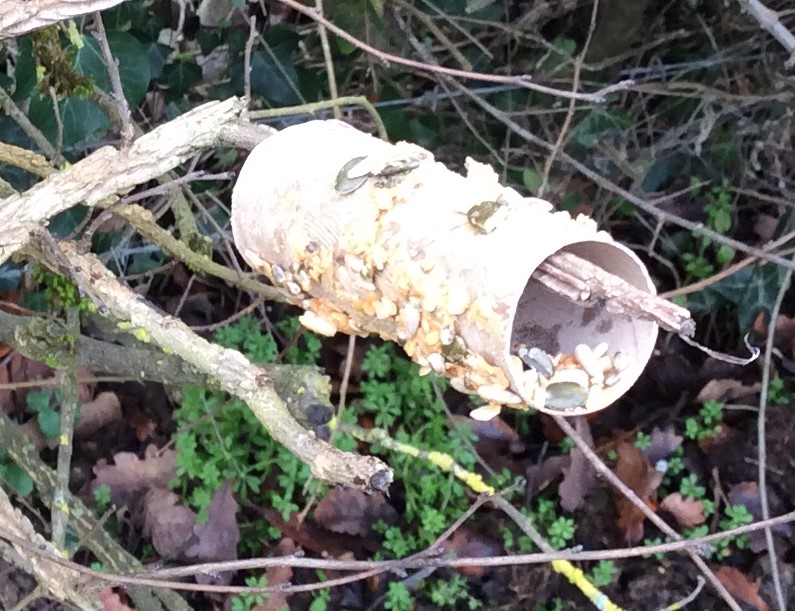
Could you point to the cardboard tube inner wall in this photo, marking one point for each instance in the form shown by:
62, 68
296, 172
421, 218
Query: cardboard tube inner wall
370, 237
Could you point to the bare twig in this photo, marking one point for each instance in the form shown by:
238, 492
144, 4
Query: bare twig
769, 21
689, 598
21, 119
68, 411
328, 60
641, 203
252, 38
523, 81
564, 129
762, 440
126, 129
587, 284
61, 582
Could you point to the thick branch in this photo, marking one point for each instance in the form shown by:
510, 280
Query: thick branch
305, 390
233, 372
109, 172
20, 16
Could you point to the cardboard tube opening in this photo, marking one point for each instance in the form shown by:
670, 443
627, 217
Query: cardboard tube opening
549, 321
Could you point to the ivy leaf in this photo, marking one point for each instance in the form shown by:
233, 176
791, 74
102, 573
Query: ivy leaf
180, 76
17, 478
49, 423
133, 62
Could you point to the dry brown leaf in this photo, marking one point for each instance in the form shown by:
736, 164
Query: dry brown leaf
469, 543
143, 426
130, 477
111, 601
747, 494
722, 434
662, 443
169, 524
93, 415
353, 512
687, 512
540, 476
740, 586
726, 390
784, 337
579, 476
217, 539
278, 575
22, 369
104, 409
495, 429
634, 469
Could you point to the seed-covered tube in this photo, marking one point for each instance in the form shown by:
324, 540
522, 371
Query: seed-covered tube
370, 237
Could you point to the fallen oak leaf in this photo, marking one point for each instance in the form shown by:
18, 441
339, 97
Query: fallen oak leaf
469, 543
353, 512
634, 469
130, 477
662, 443
216, 540
740, 586
278, 575
747, 495
579, 476
168, 523
687, 512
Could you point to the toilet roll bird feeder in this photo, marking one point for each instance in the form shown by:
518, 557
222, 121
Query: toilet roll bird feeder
512, 300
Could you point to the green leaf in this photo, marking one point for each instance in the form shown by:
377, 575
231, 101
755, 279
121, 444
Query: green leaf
81, 119
25, 71
17, 478
65, 222
179, 77
10, 276
275, 79
49, 423
531, 180
38, 400
158, 55
132, 59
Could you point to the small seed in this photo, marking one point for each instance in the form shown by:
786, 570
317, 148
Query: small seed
278, 273
570, 376
588, 361
304, 280
530, 380
537, 359
456, 351
483, 216
350, 178
612, 379
565, 396
436, 362
318, 324
446, 335
293, 288
497, 394
432, 337
485, 412
459, 385
620, 361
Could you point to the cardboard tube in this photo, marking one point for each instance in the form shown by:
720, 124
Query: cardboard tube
438, 262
